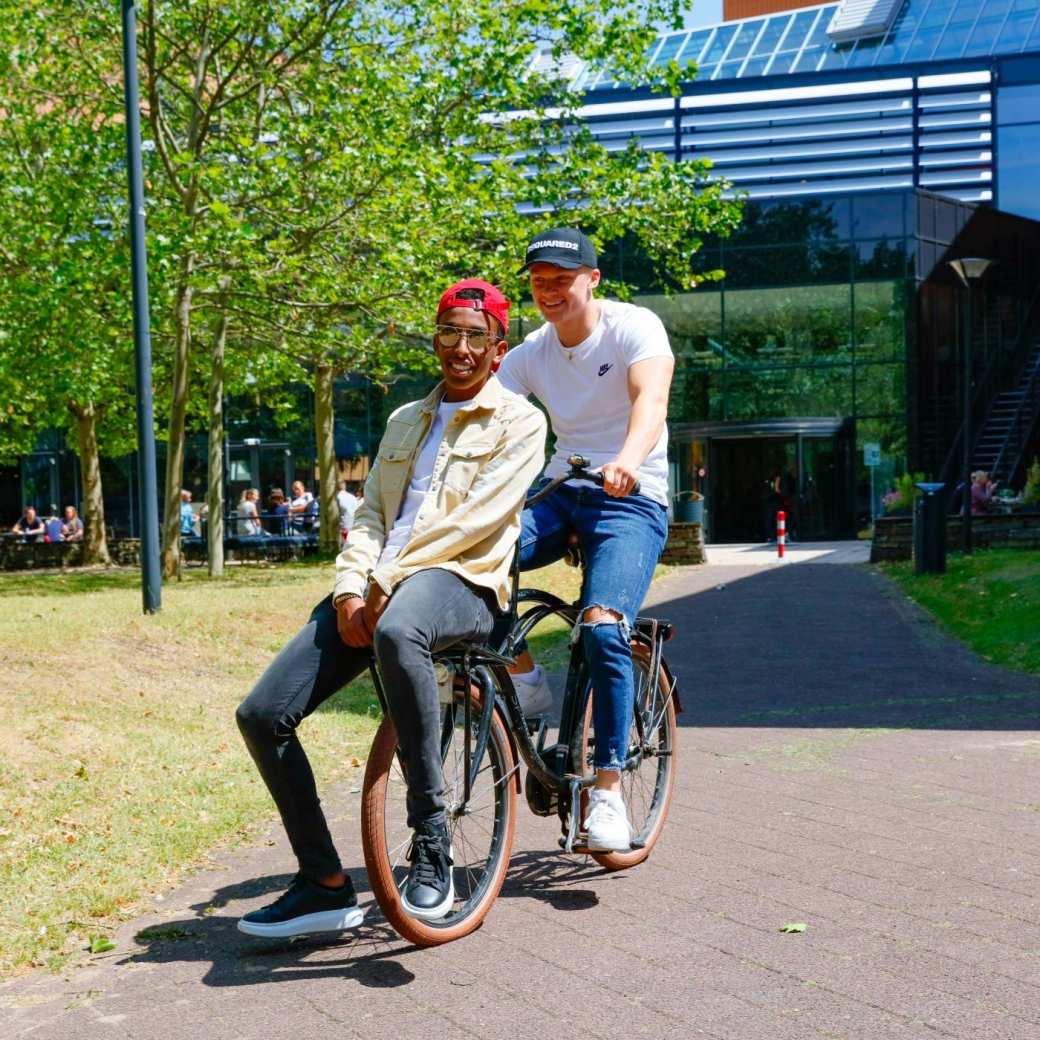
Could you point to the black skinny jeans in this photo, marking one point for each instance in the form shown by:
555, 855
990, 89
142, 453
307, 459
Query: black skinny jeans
428, 612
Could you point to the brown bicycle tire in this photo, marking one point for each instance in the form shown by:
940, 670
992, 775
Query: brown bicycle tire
374, 844
623, 860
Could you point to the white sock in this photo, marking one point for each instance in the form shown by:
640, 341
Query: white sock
530, 677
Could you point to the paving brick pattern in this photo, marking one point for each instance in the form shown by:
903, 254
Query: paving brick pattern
843, 765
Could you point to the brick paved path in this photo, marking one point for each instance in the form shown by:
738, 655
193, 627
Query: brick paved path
843, 765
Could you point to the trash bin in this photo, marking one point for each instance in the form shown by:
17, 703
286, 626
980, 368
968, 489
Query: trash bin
930, 530
688, 507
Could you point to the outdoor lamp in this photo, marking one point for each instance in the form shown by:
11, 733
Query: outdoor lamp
969, 270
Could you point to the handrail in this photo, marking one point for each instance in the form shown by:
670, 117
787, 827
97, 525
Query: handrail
986, 388
1031, 391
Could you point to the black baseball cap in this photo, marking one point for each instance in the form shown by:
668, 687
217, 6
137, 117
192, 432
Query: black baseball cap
561, 247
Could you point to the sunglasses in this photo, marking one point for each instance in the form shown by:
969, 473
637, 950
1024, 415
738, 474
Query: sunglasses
478, 339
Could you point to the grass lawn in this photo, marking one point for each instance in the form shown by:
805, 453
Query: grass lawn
123, 766
990, 599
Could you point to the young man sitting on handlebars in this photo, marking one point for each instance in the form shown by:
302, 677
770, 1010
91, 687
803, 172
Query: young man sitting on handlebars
426, 565
602, 369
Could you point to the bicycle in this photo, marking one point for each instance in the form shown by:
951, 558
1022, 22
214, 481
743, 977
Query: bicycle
484, 730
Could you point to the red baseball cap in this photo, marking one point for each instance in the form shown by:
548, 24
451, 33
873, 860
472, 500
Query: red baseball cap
482, 296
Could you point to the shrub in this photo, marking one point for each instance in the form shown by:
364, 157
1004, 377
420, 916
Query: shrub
904, 493
1031, 492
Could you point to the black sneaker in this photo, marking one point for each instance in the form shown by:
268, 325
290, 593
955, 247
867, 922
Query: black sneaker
429, 891
303, 908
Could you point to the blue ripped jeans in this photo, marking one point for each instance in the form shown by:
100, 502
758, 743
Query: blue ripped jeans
622, 540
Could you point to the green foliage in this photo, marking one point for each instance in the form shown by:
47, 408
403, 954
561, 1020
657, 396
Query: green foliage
338, 163
905, 494
1031, 492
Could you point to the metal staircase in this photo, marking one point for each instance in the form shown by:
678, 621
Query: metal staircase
1009, 424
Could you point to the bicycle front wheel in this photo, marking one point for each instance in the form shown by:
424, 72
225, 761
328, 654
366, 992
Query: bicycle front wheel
647, 789
481, 829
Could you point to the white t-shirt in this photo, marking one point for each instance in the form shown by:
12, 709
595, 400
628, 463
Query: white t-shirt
301, 518
348, 504
585, 388
422, 475
248, 522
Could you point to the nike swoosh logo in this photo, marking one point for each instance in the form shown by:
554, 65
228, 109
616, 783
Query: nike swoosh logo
604, 369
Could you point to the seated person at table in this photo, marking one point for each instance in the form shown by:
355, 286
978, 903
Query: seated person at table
277, 506
187, 515
30, 524
426, 566
72, 526
248, 525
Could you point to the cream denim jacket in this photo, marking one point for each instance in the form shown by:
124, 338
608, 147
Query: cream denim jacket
469, 521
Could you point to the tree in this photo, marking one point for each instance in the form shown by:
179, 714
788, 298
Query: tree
67, 357
320, 170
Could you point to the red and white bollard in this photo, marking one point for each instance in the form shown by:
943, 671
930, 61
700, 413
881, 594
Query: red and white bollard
781, 533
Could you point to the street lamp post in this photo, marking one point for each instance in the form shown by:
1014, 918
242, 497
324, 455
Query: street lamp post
151, 583
969, 270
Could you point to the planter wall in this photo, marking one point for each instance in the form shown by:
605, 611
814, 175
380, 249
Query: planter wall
894, 535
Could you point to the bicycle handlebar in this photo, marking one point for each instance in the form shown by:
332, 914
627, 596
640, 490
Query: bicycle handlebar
579, 471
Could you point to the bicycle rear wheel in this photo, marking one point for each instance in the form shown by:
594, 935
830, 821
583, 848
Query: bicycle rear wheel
647, 789
481, 832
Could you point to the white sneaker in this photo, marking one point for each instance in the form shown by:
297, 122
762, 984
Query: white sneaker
607, 823
533, 691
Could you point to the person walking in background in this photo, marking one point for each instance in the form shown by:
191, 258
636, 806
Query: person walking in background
301, 508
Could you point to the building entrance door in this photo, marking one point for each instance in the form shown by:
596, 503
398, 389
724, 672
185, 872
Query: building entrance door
751, 479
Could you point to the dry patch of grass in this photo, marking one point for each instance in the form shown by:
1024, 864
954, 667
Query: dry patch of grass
123, 766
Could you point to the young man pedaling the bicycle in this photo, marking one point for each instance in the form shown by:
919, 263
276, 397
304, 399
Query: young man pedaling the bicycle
426, 565
602, 369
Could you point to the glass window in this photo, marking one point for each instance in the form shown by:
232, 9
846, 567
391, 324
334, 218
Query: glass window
985, 33
878, 216
669, 49
694, 324
782, 63
755, 67
1016, 29
1017, 148
770, 328
744, 39
881, 389
954, 38
1019, 104
865, 54
882, 258
728, 69
776, 392
718, 46
880, 321
692, 51
770, 36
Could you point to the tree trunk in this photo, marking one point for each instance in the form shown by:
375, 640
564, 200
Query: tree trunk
324, 429
215, 468
171, 555
95, 541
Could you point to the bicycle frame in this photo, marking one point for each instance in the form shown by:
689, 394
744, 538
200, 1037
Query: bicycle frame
488, 668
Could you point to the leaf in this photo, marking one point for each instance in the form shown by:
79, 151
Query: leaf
99, 944
794, 927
